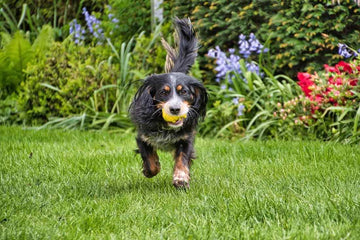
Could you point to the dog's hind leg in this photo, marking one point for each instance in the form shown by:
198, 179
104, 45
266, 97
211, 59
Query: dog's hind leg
183, 155
151, 164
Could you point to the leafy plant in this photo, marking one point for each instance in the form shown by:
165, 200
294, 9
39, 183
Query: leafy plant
79, 87
17, 53
249, 93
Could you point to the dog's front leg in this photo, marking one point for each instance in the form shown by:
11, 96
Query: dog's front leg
183, 155
151, 164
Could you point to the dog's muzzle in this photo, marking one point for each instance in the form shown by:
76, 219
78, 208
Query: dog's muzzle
174, 112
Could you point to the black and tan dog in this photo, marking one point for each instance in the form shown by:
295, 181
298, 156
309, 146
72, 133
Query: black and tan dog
167, 107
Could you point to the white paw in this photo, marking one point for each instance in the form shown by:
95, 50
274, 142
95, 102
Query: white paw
181, 179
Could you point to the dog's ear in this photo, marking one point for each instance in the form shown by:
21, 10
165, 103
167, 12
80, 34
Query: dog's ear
201, 97
143, 103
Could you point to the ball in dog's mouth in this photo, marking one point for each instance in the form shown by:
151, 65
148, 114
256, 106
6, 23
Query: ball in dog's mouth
173, 121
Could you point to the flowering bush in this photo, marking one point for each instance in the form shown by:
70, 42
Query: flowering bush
229, 67
248, 91
329, 105
230, 64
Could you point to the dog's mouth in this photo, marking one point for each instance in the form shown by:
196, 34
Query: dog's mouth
176, 124
174, 121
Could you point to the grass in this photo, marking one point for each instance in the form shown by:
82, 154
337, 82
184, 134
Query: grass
88, 185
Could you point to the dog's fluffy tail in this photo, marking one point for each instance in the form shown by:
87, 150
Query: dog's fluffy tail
181, 59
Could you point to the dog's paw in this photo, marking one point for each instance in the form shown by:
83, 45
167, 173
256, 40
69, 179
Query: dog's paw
181, 179
152, 170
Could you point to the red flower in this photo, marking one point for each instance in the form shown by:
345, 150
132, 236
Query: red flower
353, 82
331, 69
337, 81
344, 67
305, 82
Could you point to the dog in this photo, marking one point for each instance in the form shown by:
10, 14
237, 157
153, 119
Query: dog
167, 108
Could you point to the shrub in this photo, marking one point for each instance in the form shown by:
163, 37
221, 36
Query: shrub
302, 34
329, 107
63, 84
248, 94
306, 33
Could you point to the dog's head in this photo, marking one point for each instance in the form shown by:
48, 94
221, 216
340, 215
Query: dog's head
172, 99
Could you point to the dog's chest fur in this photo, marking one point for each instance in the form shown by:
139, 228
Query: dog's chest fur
164, 140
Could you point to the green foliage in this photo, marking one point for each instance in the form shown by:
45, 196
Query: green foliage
307, 33
79, 87
221, 116
35, 14
17, 53
258, 97
134, 17
303, 34
59, 85
8, 110
219, 23
149, 55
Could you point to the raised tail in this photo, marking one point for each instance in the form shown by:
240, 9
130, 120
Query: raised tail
181, 59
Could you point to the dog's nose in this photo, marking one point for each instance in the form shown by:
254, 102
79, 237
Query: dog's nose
174, 110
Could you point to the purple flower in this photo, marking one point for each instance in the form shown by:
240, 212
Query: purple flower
228, 65
255, 45
93, 25
77, 31
240, 109
244, 46
343, 50
112, 18
235, 100
252, 67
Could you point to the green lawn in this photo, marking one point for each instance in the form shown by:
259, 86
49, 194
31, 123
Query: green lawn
88, 185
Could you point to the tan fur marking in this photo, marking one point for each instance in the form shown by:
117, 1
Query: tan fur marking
167, 88
179, 87
179, 165
181, 177
160, 105
154, 163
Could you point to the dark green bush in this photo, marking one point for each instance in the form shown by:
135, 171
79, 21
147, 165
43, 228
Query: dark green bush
306, 33
303, 34
63, 84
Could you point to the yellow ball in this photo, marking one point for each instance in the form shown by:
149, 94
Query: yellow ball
172, 119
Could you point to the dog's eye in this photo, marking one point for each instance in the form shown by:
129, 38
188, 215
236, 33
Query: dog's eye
163, 92
182, 92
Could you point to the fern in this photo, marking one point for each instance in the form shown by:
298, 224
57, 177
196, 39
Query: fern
44, 41
17, 53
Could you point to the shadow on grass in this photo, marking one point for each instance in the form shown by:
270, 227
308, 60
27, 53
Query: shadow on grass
141, 185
